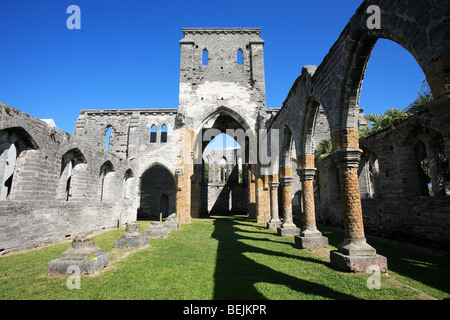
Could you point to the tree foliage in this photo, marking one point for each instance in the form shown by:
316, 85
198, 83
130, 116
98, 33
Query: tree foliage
323, 149
423, 100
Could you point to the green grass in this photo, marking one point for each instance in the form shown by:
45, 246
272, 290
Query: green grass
224, 257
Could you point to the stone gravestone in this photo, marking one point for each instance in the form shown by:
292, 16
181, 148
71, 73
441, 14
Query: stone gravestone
83, 254
132, 238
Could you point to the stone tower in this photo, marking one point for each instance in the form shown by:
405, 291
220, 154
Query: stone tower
221, 68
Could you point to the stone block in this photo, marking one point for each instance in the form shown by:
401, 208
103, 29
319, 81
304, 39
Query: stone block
170, 223
273, 224
358, 263
83, 256
288, 230
303, 242
132, 238
156, 230
86, 266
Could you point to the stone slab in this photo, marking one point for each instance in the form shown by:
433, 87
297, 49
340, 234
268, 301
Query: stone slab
273, 224
171, 225
86, 266
357, 263
156, 230
286, 231
302, 242
135, 242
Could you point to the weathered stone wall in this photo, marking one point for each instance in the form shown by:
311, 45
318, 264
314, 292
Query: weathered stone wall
37, 209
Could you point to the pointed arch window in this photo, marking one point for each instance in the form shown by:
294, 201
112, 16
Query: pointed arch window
164, 133
153, 131
239, 57
17, 149
73, 171
205, 57
128, 181
108, 137
106, 182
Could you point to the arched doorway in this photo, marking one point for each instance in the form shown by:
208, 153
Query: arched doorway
220, 179
157, 192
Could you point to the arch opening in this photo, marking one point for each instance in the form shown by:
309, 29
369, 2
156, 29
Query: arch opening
155, 182
220, 177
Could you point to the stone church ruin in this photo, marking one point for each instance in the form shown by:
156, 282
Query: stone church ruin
56, 186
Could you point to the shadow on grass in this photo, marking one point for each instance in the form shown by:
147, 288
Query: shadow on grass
236, 275
414, 263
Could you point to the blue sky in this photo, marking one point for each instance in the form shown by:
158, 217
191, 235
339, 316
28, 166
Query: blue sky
126, 54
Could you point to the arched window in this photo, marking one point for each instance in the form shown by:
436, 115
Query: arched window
106, 182
73, 169
128, 180
164, 133
108, 137
239, 57
205, 57
10, 161
17, 150
153, 134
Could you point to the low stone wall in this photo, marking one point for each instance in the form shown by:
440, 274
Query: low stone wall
420, 220
29, 224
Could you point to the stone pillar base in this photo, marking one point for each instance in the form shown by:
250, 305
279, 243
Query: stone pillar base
288, 230
156, 230
131, 238
310, 237
170, 223
358, 263
356, 247
83, 254
86, 266
272, 224
132, 242
355, 255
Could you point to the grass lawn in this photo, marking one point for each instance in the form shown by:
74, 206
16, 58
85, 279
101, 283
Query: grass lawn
225, 257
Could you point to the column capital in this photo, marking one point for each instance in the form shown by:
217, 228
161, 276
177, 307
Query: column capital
274, 185
286, 181
346, 158
306, 173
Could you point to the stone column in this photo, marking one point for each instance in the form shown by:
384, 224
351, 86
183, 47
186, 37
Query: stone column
275, 221
262, 205
182, 197
354, 253
288, 228
251, 192
195, 190
309, 236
